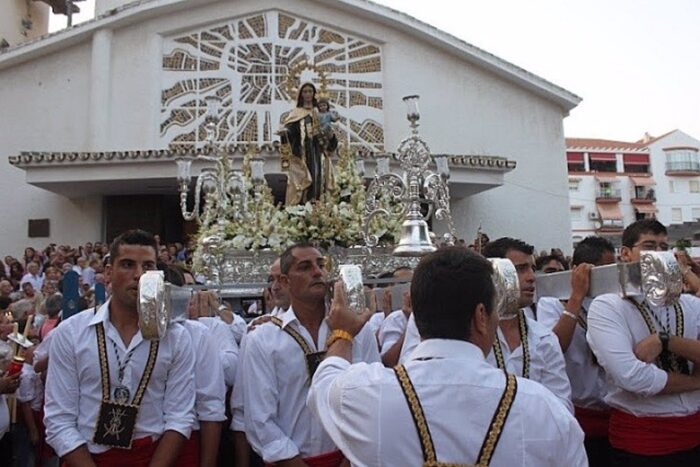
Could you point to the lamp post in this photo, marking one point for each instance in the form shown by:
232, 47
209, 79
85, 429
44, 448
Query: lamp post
418, 185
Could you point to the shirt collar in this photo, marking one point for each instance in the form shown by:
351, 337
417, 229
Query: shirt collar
288, 317
101, 315
447, 348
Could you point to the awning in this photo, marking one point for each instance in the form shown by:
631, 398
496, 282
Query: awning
610, 212
574, 157
606, 178
643, 181
645, 208
635, 159
601, 157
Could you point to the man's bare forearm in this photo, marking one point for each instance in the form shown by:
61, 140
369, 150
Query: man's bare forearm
79, 457
210, 436
686, 348
678, 383
168, 449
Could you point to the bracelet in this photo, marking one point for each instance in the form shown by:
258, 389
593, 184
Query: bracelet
569, 314
336, 335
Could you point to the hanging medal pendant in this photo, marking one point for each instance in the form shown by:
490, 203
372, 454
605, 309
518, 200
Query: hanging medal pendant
121, 394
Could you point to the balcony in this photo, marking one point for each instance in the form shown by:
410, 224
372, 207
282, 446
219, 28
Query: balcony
607, 194
643, 195
683, 168
611, 226
682, 161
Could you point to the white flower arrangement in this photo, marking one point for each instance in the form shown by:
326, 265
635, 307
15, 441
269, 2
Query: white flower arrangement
334, 220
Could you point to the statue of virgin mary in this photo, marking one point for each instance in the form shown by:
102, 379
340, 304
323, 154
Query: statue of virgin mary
310, 171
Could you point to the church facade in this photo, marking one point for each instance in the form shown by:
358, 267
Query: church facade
96, 115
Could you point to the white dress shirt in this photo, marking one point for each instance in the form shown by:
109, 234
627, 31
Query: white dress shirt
36, 281
547, 365
73, 386
587, 378
210, 397
375, 322
275, 386
365, 412
31, 389
237, 399
238, 328
615, 326
220, 334
391, 330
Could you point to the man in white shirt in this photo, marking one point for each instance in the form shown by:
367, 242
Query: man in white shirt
79, 387
279, 295
202, 447
523, 346
569, 322
541, 359
447, 404
279, 360
649, 354
33, 276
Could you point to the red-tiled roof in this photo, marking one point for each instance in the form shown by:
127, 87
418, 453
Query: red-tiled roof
655, 139
593, 143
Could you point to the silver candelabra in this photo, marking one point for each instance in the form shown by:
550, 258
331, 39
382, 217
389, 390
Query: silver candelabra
390, 194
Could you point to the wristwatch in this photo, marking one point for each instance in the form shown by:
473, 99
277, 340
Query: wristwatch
664, 338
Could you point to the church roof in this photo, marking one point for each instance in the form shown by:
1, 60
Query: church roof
29, 159
141, 10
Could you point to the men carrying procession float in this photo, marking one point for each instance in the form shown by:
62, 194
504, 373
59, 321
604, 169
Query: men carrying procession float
486, 374
116, 398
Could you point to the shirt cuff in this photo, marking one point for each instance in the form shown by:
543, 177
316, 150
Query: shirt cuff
237, 420
279, 450
69, 441
659, 383
181, 426
335, 362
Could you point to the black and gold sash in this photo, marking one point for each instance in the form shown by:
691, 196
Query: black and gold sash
498, 351
426, 440
313, 359
116, 421
667, 361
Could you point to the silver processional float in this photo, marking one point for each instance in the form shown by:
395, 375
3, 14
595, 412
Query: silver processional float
656, 278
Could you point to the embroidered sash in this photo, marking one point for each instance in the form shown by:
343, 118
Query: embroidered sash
493, 433
498, 351
313, 359
116, 422
667, 361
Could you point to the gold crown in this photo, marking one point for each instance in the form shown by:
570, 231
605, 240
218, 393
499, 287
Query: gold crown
292, 83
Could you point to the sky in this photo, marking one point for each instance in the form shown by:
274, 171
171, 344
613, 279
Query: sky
635, 63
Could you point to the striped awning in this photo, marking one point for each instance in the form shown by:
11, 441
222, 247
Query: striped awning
643, 181
645, 208
609, 211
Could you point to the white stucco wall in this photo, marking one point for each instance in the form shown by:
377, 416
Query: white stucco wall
464, 110
45, 109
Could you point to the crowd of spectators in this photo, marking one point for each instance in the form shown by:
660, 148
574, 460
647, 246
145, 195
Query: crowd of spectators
26, 282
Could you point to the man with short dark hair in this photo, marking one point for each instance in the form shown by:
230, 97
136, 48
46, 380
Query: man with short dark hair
279, 361
649, 354
100, 366
569, 322
540, 358
446, 404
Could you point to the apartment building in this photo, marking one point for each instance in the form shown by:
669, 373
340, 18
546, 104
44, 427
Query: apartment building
614, 183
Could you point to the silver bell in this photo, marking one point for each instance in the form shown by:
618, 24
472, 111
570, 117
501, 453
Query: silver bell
415, 239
